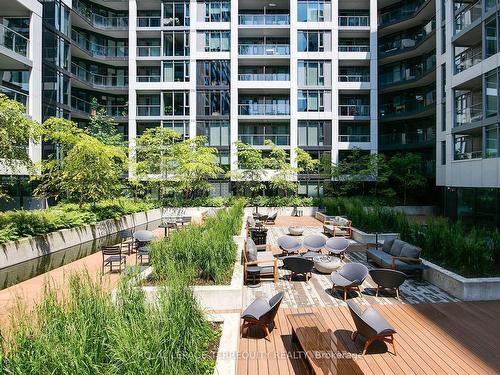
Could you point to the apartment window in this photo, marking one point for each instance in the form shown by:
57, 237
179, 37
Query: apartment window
311, 41
217, 41
468, 146
311, 101
491, 141
56, 14
443, 38
176, 43
491, 36
216, 73
311, 73
217, 132
55, 86
216, 102
175, 71
311, 133
443, 10
491, 84
443, 152
56, 50
178, 126
148, 105
217, 11
443, 81
443, 116
176, 103
311, 10
176, 14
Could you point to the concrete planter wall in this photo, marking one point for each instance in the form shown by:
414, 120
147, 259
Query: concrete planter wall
25, 249
365, 238
466, 289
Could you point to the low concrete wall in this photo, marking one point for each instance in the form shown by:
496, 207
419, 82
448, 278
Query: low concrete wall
466, 289
366, 238
25, 249
227, 354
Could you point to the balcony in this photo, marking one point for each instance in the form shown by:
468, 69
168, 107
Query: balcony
468, 58
354, 77
81, 105
16, 95
421, 104
355, 138
407, 140
98, 50
148, 51
354, 110
148, 22
148, 110
469, 114
148, 78
354, 21
400, 13
468, 15
264, 77
407, 74
97, 20
97, 80
407, 42
354, 48
264, 49
264, 109
264, 19
14, 41
260, 139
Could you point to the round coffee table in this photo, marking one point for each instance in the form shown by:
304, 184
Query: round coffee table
326, 264
253, 271
295, 231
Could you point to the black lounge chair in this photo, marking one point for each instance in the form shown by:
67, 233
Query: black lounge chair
388, 279
371, 325
262, 313
350, 276
289, 245
299, 266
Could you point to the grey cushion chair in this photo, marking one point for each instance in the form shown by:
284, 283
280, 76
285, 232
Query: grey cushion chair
397, 255
371, 325
387, 279
264, 259
337, 246
299, 266
314, 243
262, 313
289, 245
350, 276
271, 220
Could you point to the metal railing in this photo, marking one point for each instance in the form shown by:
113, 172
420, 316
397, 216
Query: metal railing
148, 110
97, 20
154, 21
87, 107
468, 58
148, 51
354, 78
401, 13
469, 114
98, 80
468, 155
354, 21
16, 95
149, 78
354, 138
408, 41
264, 109
264, 19
354, 48
406, 138
407, 74
264, 49
98, 50
354, 110
264, 76
14, 41
259, 139
467, 16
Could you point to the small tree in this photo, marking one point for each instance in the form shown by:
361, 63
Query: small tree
354, 171
407, 172
306, 165
102, 126
250, 173
284, 174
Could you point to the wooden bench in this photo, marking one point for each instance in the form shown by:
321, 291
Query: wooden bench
318, 346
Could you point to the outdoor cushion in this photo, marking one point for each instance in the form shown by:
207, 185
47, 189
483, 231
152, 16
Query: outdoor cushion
377, 322
256, 309
266, 269
265, 255
377, 255
339, 280
396, 247
410, 251
402, 266
387, 245
251, 250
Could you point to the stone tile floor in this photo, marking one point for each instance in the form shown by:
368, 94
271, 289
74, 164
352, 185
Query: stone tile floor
317, 292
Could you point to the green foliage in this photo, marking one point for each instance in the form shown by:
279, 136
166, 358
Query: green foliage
103, 127
208, 249
406, 170
250, 171
86, 333
262, 201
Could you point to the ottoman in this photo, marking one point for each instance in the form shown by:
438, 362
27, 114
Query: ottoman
326, 264
295, 231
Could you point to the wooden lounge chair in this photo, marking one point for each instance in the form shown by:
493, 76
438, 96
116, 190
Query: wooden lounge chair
338, 226
261, 313
264, 259
271, 220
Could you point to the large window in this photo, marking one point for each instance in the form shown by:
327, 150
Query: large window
57, 14
217, 41
491, 81
312, 133
313, 11
176, 43
492, 141
216, 131
491, 32
216, 102
217, 11
55, 86
55, 50
215, 73
311, 73
311, 100
311, 41
176, 103
176, 13
175, 71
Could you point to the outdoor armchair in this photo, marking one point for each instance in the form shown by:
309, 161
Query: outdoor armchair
349, 277
289, 245
371, 325
298, 266
262, 313
387, 279
337, 246
112, 255
338, 226
314, 243
271, 220
264, 259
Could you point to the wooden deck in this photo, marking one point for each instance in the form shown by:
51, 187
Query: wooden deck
441, 338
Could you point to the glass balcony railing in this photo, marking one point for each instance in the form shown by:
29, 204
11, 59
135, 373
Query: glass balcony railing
467, 16
98, 50
408, 42
16, 95
406, 139
354, 21
87, 107
148, 110
153, 21
354, 110
468, 58
148, 51
468, 155
264, 49
148, 78
264, 77
469, 114
259, 139
264, 19
354, 48
264, 109
98, 80
360, 138
407, 74
401, 12
408, 107
14, 41
354, 78
98, 20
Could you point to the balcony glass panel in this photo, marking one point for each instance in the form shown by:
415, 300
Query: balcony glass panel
13, 41
99, 80
264, 49
399, 12
468, 58
409, 70
16, 95
467, 15
346, 20
354, 110
354, 45
109, 21
87, 107
280, 107
264, 19
408, 39
468, 107
468, 146
116, 49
